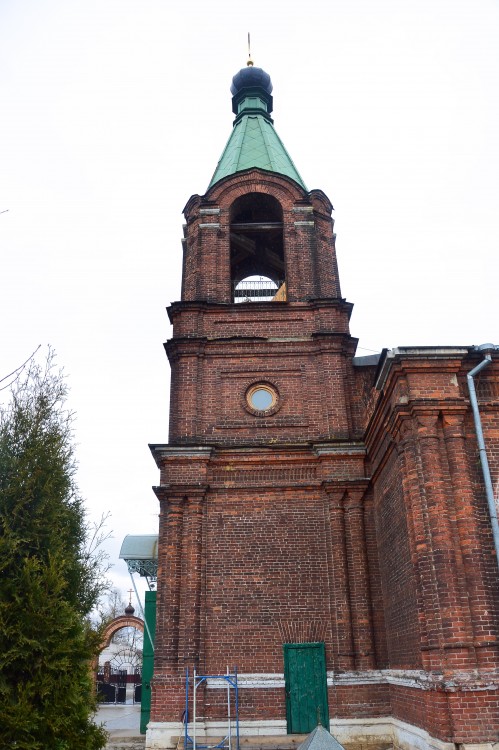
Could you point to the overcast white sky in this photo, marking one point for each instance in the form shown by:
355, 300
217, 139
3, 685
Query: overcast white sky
114, 112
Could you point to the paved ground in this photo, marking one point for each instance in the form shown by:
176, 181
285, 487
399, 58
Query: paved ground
120, 720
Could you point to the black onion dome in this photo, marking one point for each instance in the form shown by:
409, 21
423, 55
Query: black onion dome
249, 82
129, 609
251, 77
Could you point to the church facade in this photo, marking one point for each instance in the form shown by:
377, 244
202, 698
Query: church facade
324, 523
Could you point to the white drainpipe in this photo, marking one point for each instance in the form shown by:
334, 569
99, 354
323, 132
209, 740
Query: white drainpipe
486, 350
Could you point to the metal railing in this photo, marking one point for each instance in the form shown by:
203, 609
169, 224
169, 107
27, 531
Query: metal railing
255, 290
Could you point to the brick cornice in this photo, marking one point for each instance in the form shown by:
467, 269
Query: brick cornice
393, 419
193, 345
352, 487
412, 359
164, 451
336, 341
180, 491
395, 383
203, 306
400, 424
350, 448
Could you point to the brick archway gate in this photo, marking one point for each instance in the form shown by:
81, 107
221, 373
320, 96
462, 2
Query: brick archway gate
123, 621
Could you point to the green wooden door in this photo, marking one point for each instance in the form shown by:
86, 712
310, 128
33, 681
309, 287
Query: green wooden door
147, 659
306, 687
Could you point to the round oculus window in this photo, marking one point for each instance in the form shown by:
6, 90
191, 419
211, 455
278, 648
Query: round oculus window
261, 397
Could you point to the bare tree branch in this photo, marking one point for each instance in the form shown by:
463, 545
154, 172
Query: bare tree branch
17, 372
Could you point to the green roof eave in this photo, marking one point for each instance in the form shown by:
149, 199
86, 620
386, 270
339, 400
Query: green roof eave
254, 143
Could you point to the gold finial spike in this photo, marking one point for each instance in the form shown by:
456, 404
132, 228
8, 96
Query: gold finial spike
250, 61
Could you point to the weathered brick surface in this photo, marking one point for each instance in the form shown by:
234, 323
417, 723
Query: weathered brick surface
359, 701
311, 269
400, 604
460, 717
347, 514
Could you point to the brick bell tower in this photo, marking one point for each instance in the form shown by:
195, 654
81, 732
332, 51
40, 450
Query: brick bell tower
263, 551
323, 522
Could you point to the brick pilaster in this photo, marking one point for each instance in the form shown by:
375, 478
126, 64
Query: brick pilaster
170, 574
360, 598
343, 656
405, 441
190, 595
449, 626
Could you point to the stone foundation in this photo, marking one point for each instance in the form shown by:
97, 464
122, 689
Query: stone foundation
353, 734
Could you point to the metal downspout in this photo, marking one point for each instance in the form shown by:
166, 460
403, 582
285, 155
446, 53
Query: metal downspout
485, 349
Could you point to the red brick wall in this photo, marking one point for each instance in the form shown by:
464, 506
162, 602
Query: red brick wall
427, 709
254, 704
375, 583
345, 515
359, 701
475, 716
396, 569
210, 380
461, 716
310, 257
266, 575
441, 591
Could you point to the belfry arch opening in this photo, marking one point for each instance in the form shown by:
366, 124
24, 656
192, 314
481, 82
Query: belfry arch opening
257, 249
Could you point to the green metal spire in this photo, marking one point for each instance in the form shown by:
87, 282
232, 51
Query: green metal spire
254, 141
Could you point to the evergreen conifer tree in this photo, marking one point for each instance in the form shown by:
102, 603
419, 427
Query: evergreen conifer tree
49, 581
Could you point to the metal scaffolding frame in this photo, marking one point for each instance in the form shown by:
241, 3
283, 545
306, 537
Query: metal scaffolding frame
232, 723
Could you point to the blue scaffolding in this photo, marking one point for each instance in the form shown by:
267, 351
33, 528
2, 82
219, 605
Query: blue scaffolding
231, 739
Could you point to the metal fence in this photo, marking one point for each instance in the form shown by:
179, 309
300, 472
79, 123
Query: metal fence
250, 290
